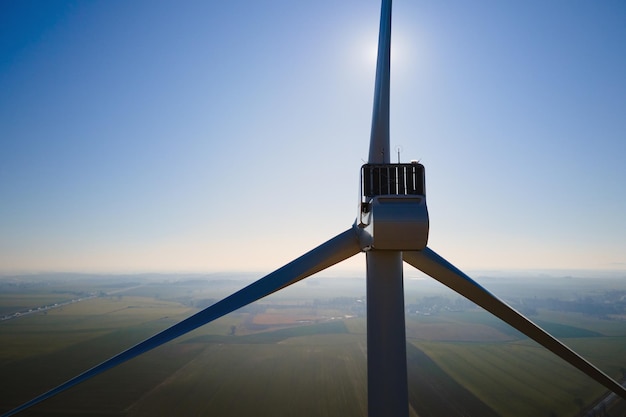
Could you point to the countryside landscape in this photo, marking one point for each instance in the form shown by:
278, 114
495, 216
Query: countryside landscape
303, 351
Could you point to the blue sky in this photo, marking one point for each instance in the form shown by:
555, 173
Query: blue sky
225, 136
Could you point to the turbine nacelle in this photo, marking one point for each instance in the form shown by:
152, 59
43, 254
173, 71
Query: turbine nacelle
392, 211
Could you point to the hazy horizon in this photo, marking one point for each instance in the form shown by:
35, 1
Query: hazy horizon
410, 273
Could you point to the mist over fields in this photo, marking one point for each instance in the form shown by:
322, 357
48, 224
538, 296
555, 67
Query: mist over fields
600, 293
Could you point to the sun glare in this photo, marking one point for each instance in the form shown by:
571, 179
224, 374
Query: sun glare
399, 51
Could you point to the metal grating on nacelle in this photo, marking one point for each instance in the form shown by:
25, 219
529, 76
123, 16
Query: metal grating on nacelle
392, 179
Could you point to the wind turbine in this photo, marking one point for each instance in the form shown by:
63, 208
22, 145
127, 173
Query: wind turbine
391, 227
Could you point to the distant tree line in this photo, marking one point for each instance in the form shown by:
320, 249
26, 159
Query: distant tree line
602, 306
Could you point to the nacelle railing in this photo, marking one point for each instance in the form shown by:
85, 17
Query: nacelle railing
392, 179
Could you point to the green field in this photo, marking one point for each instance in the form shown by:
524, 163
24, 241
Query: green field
306, 369
513, 375
460, 363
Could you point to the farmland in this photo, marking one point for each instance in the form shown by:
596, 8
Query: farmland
294, 354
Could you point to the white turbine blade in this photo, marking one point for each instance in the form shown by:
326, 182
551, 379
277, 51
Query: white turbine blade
434, 265
339, 248
379, 139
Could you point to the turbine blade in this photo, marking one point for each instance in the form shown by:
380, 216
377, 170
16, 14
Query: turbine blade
335, 250
379, 139
434, 265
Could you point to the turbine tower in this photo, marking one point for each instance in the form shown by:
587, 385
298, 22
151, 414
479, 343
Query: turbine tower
391, 227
